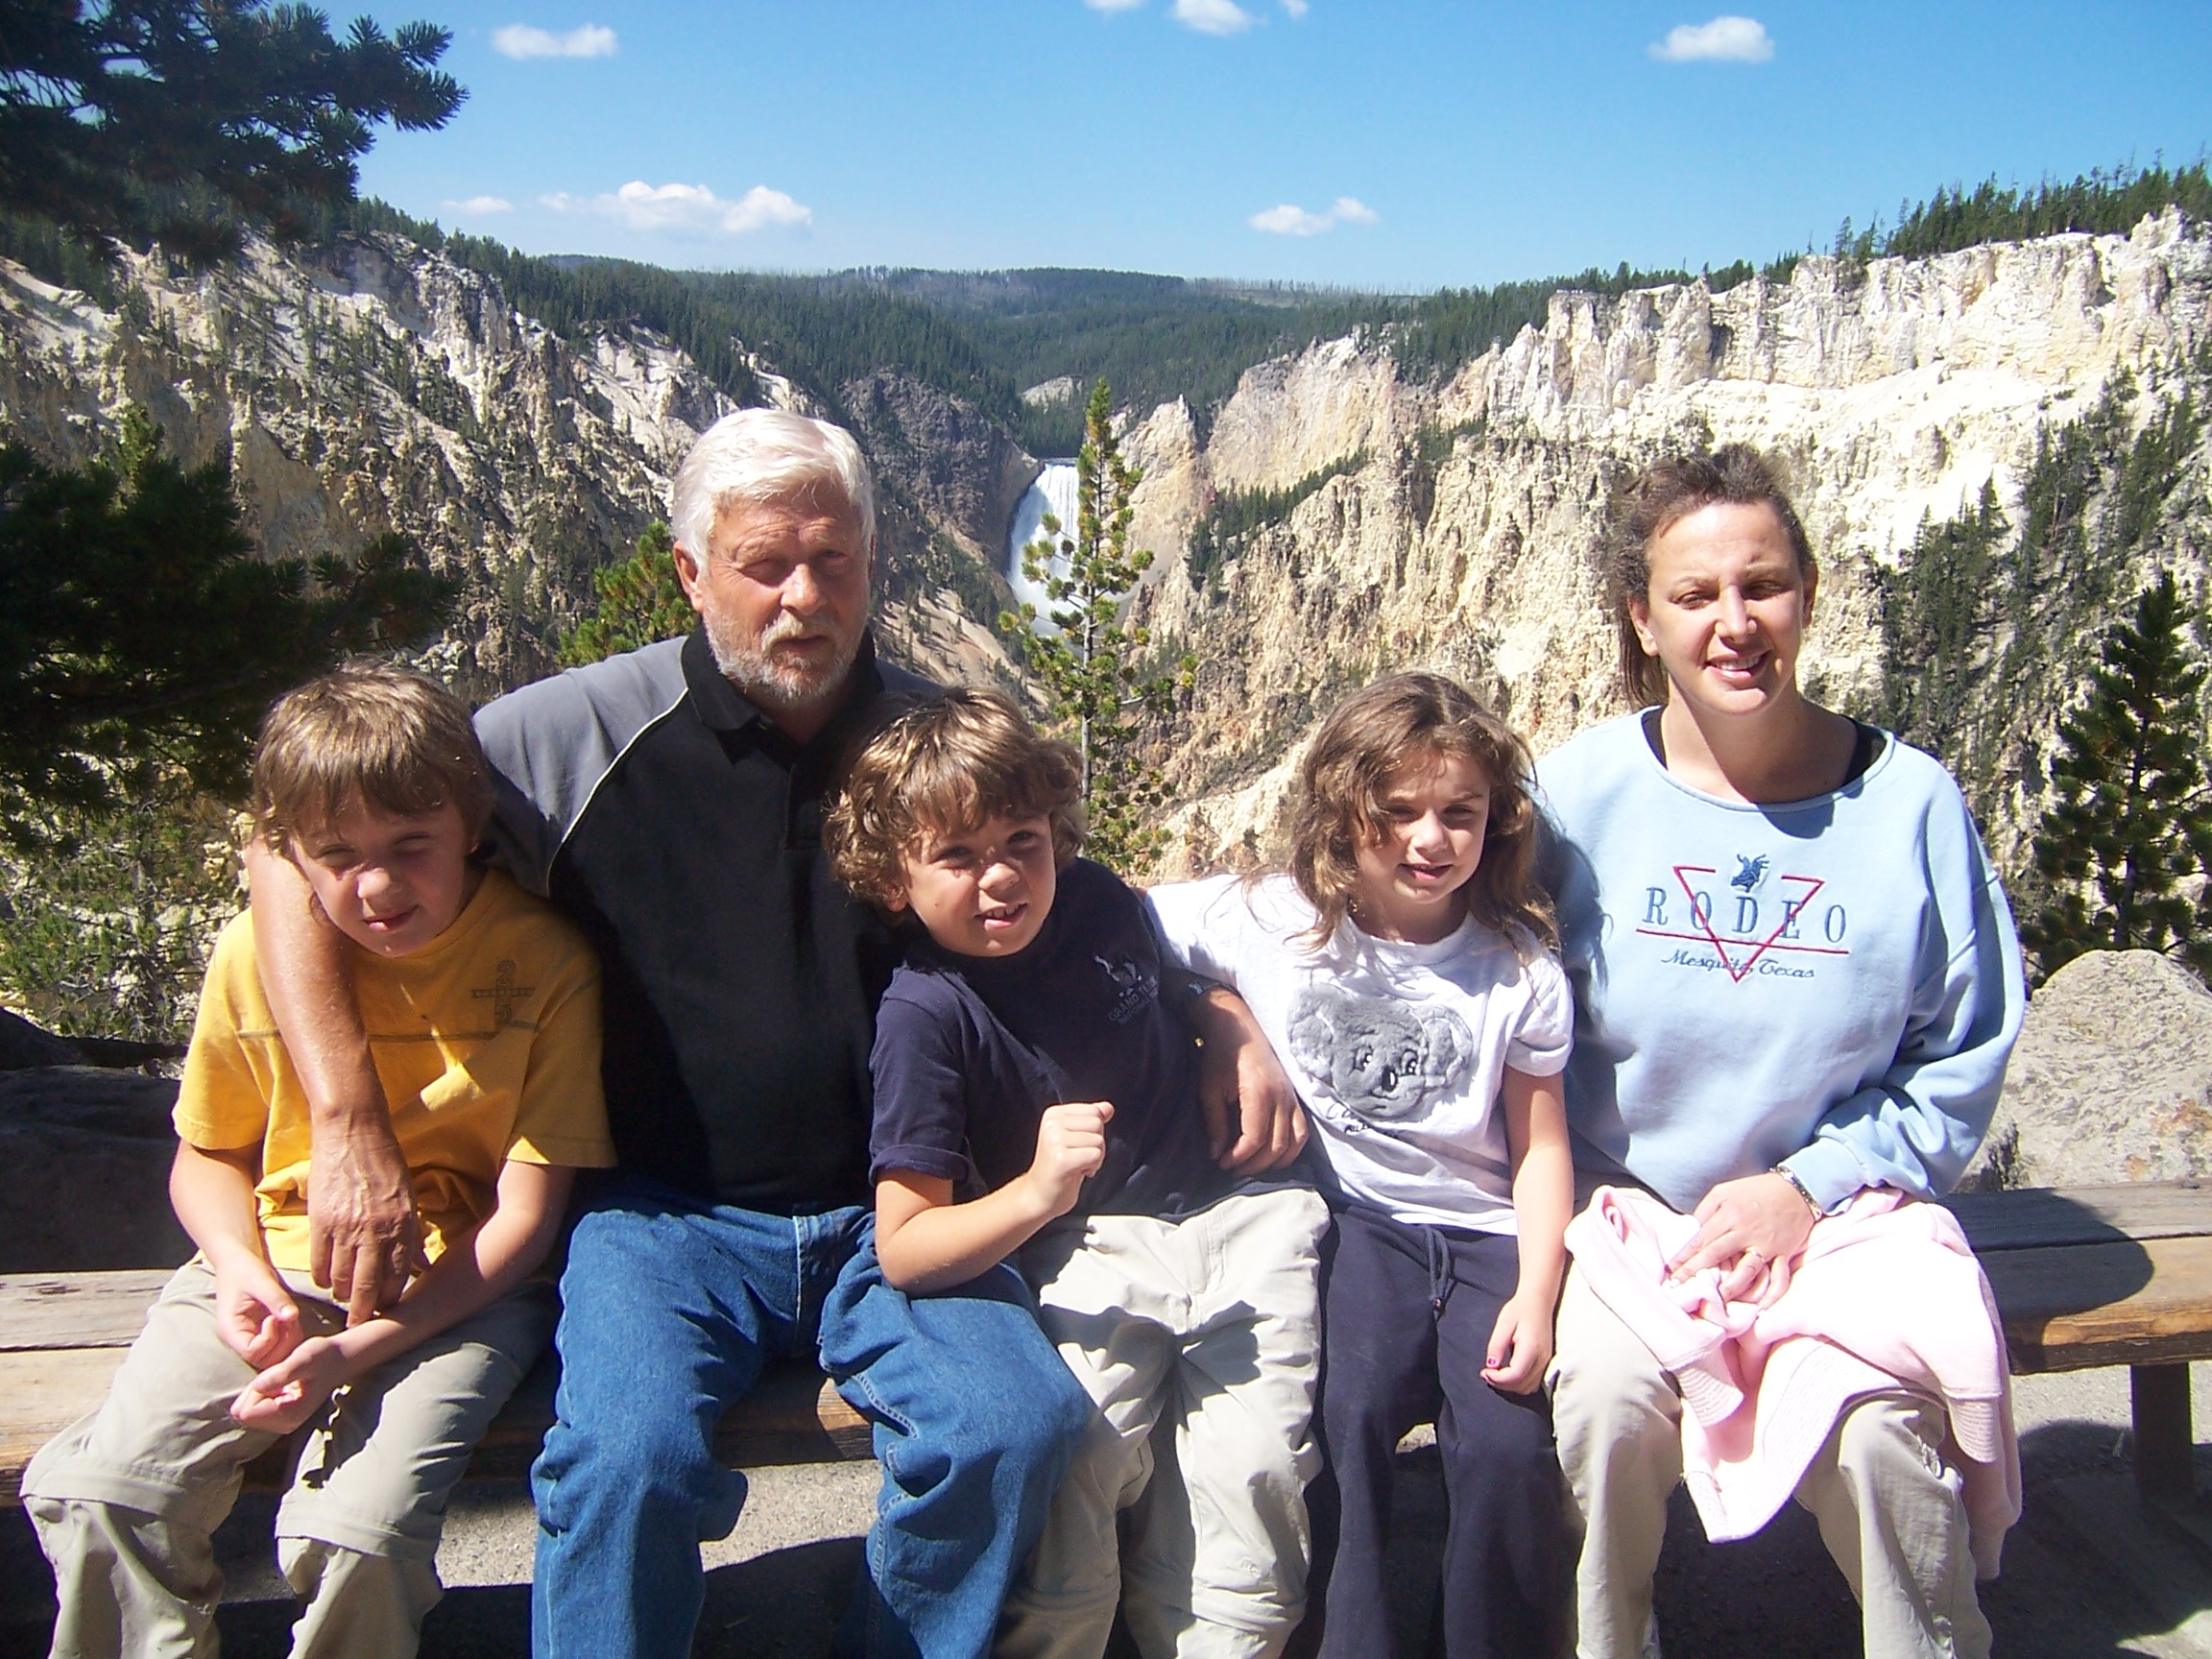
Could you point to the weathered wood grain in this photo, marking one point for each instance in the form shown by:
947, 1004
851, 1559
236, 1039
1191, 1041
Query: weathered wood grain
75, 1310
2068, 1307
41, 1395
2052, 1216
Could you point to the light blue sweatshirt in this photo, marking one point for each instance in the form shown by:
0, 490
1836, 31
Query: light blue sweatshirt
1833, 985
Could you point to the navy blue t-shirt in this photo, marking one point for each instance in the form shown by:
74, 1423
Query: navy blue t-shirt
969, 1052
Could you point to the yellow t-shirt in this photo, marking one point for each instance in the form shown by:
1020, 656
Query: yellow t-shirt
487, 1040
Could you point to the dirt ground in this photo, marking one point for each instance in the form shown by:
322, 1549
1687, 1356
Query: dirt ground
2088, 1573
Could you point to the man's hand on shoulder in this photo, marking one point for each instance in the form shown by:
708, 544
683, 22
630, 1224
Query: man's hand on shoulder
1254, 1120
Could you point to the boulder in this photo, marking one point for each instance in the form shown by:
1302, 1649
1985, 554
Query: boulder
23, 1043
2111, 1081
85, 1156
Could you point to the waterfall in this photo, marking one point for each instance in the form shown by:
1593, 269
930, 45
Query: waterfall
1053, 492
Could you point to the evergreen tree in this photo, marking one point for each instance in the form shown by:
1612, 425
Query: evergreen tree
2133, 826
171, 119
640, 601
1090, 663
138, 628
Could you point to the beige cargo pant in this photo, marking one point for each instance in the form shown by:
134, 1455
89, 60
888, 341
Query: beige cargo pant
1889, 1508
125, 1499
1199, 1339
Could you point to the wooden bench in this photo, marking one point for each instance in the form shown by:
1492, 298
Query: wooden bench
2084, 1277
62, 1337
2090, 1276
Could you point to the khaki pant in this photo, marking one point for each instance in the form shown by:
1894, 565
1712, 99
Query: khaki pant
1888, 1508
1200, 1340
124, 1500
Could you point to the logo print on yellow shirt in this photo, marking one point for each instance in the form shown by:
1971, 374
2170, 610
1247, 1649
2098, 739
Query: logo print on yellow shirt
503, 993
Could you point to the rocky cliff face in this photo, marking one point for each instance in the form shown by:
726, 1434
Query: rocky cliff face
1892, 393
377, 386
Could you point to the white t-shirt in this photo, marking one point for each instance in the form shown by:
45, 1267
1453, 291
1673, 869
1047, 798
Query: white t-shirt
1398, 1049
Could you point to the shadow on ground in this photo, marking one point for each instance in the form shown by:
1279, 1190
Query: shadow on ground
782, 1606
2089, 1575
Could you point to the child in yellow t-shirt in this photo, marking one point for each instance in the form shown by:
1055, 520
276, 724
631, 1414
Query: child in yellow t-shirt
483, 1013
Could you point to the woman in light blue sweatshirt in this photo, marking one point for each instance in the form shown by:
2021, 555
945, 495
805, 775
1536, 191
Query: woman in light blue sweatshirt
1795, 979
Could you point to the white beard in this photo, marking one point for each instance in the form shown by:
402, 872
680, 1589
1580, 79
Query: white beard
794, 688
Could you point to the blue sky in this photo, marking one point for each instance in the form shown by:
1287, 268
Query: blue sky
1376, 143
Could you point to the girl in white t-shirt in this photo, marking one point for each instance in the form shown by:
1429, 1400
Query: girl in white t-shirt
1403, 968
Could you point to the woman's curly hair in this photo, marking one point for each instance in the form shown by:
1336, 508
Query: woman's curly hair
1373, 736
944, 766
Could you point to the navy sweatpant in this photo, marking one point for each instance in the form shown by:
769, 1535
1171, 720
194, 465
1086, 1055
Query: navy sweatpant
1407, 1317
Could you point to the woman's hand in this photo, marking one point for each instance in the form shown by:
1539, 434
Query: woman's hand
1744, 1226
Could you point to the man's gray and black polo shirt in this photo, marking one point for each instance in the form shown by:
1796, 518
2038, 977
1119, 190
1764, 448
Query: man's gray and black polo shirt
681, 829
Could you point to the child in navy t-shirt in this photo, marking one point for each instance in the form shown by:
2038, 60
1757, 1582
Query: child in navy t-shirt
1037, 1101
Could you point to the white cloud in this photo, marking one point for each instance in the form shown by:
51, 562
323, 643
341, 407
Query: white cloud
1207, 17
1296, 8
1287, 220
1213, 16
481, 205
521, 40
1290, 219
1723, 40
687, 210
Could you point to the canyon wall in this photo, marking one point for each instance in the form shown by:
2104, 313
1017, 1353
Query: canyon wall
1465, 538
374, 385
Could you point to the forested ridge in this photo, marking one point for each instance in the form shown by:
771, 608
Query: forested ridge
986, 336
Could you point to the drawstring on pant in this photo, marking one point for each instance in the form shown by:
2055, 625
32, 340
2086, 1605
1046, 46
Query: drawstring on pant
1440, 1280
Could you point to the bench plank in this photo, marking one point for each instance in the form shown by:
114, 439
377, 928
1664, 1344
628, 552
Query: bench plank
2084, 1277
2032, 1218
41, 1395
795, 1415
76, 1309
2069, 1308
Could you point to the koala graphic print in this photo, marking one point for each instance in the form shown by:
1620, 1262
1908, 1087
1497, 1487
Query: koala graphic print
1384, 1059
1398, 1049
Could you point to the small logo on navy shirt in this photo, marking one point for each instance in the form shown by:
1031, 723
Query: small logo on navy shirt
1134, 986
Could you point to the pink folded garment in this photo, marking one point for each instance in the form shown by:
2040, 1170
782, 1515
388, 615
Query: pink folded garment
1886, 1295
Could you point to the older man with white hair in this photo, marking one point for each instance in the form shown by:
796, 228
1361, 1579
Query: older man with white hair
670, 801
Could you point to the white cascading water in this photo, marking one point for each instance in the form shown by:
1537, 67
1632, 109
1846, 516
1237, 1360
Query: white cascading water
1053, 492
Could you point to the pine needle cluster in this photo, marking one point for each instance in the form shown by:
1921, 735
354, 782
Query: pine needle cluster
2128, 844
1093, 667
140, 629
640, 601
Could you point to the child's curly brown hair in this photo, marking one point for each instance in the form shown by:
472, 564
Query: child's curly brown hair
1403, 721
944, 766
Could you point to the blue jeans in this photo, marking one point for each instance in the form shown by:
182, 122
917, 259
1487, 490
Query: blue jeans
669, 1310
